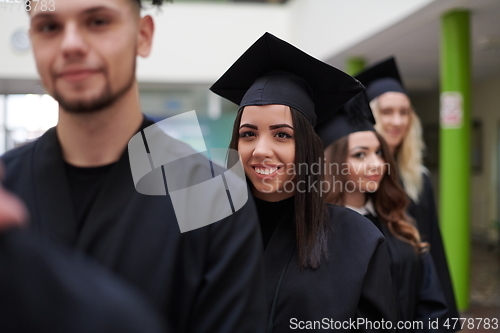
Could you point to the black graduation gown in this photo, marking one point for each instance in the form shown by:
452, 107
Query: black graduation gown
206, 280
46, 289
425, 215
353, 283
419, 295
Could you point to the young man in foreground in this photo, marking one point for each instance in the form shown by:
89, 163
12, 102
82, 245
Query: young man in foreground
77, 183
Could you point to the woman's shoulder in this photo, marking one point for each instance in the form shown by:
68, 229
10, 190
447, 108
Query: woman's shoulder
346, 217
351, 225
426, 175
427, 187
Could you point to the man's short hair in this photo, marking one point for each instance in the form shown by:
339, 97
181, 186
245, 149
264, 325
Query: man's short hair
153, 2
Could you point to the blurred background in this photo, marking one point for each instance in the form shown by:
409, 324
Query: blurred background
196, 41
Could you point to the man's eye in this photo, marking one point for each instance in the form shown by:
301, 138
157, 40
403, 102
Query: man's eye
98, 22
48, 27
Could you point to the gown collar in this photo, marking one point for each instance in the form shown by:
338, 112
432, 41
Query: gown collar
367, 209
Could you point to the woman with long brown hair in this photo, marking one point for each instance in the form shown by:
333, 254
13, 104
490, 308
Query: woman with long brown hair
326, 267
400, 126
363, 177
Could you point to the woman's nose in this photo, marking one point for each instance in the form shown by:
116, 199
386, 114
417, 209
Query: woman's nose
375, 162
263, 148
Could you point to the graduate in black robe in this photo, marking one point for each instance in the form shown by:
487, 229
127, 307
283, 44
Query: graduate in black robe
425, 214
77, 182
368, 185
326, 267
353, 284
205, 280
382, 78
44, 288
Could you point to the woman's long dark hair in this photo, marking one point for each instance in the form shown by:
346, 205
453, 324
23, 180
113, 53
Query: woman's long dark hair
311, 214
390, 199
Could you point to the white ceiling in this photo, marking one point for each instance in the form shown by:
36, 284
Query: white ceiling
415, 43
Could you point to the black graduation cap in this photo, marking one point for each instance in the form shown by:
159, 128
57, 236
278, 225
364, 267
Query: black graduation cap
381, 78
273, 71
355, 116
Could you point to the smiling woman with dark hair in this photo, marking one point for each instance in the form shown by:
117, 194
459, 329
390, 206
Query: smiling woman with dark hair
325, 265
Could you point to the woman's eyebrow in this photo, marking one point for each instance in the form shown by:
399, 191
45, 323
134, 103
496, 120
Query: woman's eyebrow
249, 126
359, 147
279, 126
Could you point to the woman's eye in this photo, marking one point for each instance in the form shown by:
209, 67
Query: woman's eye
283, 135
379, 152
359, 155
247, 134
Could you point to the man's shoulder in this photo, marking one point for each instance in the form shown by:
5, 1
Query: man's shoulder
19, 152
26, 149
19, 162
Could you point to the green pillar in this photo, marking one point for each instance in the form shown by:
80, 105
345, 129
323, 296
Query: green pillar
455, 148
354, 65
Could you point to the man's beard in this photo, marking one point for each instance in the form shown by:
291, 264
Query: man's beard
101, 102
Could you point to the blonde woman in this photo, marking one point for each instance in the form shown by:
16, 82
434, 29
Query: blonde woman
400, 126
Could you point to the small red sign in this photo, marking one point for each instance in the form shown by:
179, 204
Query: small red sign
451, 110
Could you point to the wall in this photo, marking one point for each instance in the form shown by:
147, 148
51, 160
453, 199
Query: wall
193, 42
196, 43
484, 194
484, 182
14, 64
